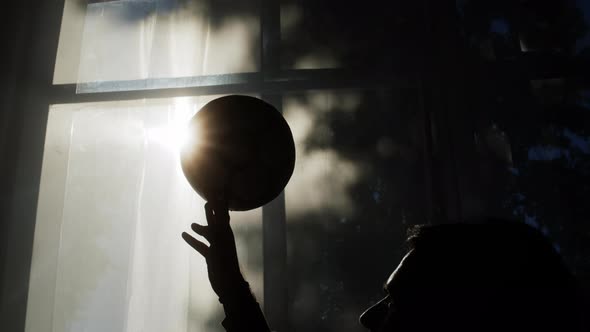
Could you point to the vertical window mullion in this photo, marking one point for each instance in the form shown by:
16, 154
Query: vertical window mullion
274, 235
273, 214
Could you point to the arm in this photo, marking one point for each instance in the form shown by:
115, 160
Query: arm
241, 309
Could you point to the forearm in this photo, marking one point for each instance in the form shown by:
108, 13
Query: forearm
242, 311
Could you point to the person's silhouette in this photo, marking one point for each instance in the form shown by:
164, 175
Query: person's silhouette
492, 276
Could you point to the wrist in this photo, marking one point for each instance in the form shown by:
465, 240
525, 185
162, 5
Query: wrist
237, 293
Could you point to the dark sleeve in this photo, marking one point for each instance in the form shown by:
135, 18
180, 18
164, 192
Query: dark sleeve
242, 312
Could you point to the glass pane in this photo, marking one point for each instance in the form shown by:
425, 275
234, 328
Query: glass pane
358, 184
345, 34
130, 40
108, 255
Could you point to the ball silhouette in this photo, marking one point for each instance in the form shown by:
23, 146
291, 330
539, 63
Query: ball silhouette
240, 149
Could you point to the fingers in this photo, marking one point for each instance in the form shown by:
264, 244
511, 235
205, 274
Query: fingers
201, 230
196, 244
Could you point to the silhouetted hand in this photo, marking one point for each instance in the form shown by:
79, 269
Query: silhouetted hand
221, 256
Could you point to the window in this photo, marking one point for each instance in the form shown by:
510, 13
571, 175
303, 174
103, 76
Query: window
107, 253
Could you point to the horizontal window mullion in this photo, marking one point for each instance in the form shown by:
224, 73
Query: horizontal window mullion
286, 81
66, 94
167, 83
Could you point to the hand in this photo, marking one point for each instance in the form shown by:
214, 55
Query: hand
221, 256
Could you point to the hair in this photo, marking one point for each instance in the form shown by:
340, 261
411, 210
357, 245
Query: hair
503, 273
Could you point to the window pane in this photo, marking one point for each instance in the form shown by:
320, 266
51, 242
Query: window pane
337, 34
130, 40
108, 255
357, 185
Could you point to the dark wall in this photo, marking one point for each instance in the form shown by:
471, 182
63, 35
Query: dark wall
29, 36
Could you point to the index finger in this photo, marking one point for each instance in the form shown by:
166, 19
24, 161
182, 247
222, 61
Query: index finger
221, 211
209, 214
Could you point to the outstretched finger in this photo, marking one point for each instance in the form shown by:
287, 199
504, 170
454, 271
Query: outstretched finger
196, 244
201, 230
221, 211
209, 214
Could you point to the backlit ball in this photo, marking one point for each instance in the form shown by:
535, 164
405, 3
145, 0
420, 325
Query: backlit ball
240, 149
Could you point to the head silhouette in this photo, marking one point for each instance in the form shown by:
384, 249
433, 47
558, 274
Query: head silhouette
492, 276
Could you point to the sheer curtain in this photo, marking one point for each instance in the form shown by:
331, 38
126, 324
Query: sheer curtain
113, 200
132, 40
118, 259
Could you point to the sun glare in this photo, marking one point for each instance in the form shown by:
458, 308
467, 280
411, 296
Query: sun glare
174, 134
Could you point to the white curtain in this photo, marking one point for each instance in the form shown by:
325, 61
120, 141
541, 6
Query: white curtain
142, 39
120, 264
